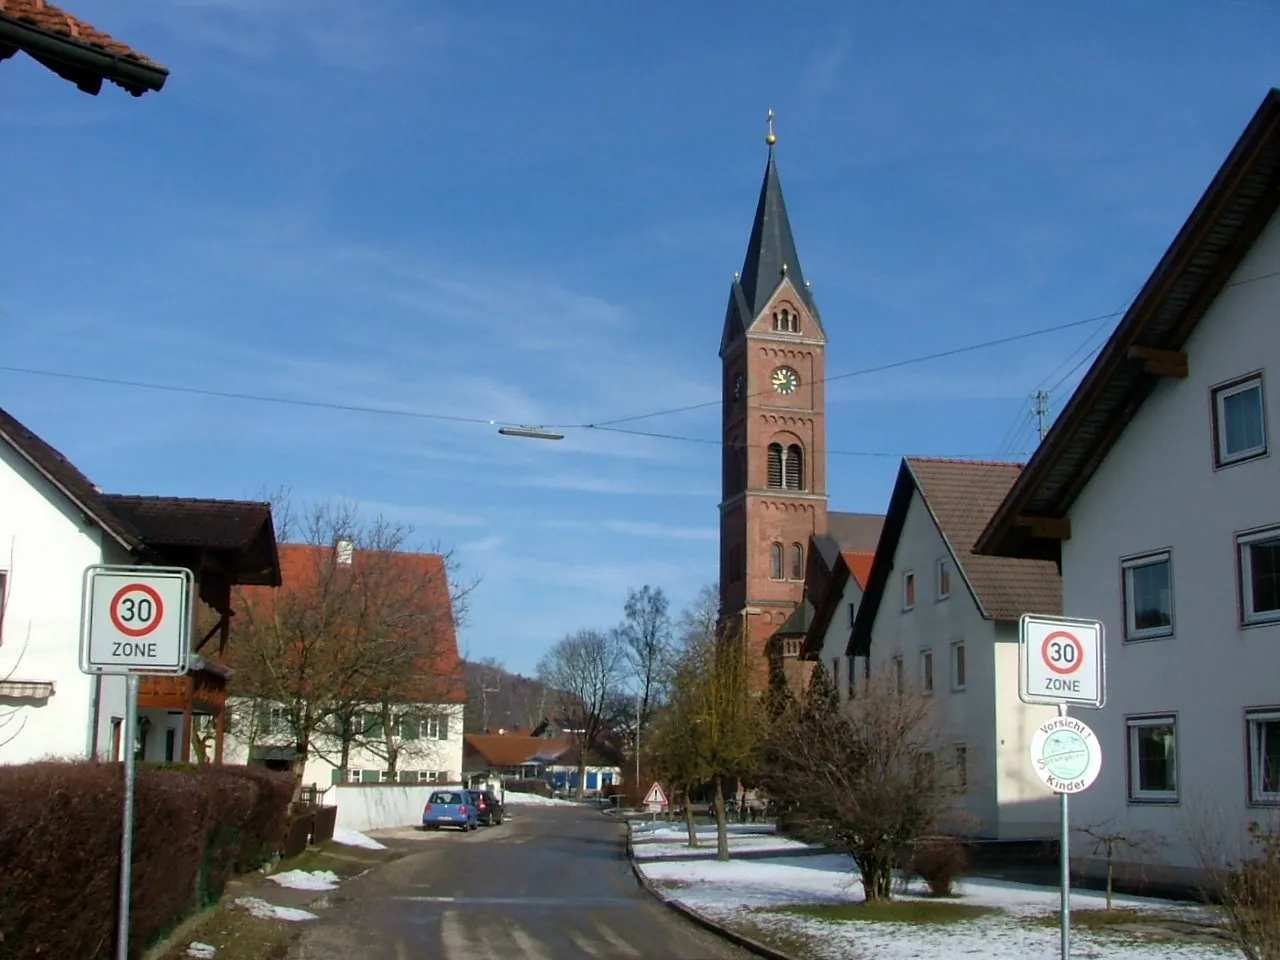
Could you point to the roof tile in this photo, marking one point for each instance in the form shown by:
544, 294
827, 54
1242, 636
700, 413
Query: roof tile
54, 20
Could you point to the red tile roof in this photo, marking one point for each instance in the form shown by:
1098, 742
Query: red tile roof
437, 673
504, 750
54, 20
859, 563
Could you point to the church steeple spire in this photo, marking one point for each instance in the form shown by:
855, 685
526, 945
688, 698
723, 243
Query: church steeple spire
771, 251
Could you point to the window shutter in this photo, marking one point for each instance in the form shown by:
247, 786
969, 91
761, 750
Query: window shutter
775, 466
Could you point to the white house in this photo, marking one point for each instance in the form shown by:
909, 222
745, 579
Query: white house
827, 641
426, 710
946, 622
1157, 493
53, 524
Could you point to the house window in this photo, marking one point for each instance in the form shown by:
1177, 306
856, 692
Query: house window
438, 727
908, 590
408, 727
1260, 576
835, 673
1264, 756
274, 721
926, 670
944, 579
1148, 597
797, 562
1153, 759
853, 614
117, 726
1239, 421
775, 561
851, 665
957, 666
898, 675
784, 321
961, 753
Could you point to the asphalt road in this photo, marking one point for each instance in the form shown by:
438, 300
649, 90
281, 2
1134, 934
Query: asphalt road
551, 883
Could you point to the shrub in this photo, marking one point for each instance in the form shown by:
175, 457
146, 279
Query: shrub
938, 861
60, 846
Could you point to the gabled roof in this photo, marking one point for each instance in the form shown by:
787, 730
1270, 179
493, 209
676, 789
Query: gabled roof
504, 750
853, 532
849, 563
75, 50
960, 496
1147, 344
411, 579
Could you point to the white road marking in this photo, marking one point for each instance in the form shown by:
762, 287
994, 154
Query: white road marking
529, 945
623, 948
453, 937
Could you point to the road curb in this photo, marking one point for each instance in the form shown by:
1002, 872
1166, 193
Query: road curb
700, 918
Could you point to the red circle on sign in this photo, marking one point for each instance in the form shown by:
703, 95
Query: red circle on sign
147, 627
1073, 665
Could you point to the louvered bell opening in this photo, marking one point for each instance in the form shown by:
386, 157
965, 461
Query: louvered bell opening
795, 468
775, 465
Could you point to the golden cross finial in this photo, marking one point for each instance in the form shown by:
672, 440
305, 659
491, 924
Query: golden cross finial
770, 137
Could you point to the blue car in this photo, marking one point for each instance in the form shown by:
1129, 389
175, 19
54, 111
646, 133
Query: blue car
450, 808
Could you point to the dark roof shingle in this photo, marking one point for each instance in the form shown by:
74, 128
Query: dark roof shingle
214, 524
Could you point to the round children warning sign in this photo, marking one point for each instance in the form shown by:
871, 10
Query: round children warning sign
1065, 755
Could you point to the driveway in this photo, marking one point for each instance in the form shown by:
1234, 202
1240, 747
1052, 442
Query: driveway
551, 883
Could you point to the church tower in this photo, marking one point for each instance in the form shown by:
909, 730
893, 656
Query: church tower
774, 494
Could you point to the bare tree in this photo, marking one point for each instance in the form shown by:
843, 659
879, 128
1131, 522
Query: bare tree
484, 681
1241, 871
357, 623
869, 780
645, 634
1112, 841
583, 672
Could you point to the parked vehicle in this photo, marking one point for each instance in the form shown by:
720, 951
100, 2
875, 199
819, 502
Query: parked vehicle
489, 809
450, 808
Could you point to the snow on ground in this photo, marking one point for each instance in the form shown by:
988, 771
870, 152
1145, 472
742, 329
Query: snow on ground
269, 911
722, 890
354, 838
201, 951
661, 839
302, 880
514, 799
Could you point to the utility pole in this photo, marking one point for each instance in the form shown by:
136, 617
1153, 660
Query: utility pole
637, 746
1040, 411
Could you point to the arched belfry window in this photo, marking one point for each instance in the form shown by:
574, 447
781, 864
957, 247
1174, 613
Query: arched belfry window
775, 466
775, 561
786, 321
797, 562
793, 473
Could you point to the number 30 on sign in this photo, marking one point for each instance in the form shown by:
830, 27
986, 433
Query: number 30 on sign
136, 620
1061, 660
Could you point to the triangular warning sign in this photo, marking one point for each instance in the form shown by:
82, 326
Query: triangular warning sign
656, 795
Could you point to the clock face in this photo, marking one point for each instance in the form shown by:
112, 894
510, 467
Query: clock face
785, 380
737, 387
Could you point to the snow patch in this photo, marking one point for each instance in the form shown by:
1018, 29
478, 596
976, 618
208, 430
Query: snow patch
514, 799
201, 951
354, 838
269, 911
302, 880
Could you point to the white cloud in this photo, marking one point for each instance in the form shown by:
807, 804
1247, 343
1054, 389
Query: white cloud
484, 544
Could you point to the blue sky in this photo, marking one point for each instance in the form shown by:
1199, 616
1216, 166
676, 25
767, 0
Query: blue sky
532, 213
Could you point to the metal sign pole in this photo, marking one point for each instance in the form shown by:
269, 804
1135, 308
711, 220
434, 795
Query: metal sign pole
126, 839
1065, 855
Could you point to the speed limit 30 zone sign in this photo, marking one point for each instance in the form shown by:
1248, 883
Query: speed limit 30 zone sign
1061, 660
136, 620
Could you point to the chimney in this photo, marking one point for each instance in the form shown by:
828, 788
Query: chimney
344, 552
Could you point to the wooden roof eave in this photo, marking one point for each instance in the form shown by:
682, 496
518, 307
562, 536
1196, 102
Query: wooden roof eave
1147, 344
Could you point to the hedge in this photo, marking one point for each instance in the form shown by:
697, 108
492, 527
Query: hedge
60, 825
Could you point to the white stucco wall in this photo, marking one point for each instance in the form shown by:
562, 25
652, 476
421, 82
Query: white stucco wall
835, 642
443, 756
45, 545
986, 716
1156, 490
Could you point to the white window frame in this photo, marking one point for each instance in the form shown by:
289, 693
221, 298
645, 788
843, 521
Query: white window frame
1221, 458
1253, 720
909, 590
927, 668
959, 657
1248, 615
1132, 726
853, 614
945, 572
1127, 566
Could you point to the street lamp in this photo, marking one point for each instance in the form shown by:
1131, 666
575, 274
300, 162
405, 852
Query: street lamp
531, 433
